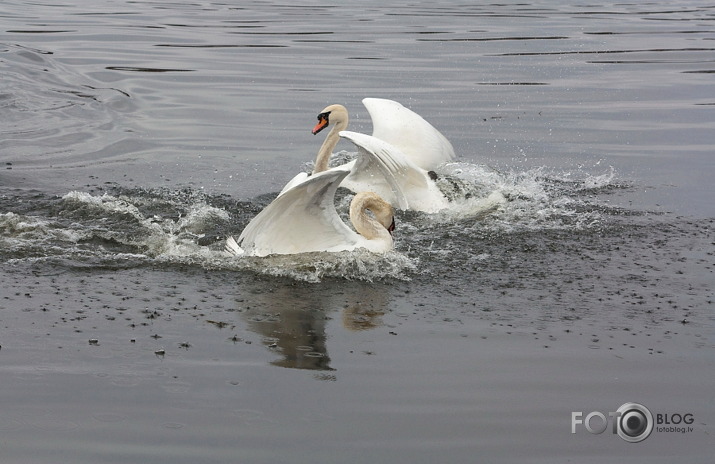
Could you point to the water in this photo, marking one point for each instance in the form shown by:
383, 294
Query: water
136, 135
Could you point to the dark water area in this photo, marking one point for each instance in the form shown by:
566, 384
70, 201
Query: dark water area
136, 136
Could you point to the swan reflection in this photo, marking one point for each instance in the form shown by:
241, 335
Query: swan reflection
293, 319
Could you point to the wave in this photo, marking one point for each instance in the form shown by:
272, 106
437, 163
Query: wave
185, 227
54, 116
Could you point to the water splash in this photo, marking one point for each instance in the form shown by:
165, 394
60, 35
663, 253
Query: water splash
168, 228
154, 235
534, 200
185, 227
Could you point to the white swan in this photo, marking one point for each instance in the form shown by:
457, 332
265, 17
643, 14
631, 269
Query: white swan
304, 219
394, 164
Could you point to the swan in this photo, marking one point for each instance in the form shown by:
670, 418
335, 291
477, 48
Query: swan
394, 163
304, 219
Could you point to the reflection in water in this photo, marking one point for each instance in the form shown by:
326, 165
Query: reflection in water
293, 320
365, 314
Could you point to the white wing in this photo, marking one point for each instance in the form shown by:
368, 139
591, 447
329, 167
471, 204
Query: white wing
374, 170
296, 180
385, 170
406, 130
301, 220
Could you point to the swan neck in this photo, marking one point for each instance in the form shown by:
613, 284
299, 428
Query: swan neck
326, 149
366, 225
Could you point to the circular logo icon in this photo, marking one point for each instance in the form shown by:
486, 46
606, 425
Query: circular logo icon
635, 422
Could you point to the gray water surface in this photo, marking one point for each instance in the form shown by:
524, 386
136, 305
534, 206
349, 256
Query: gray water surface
136, 135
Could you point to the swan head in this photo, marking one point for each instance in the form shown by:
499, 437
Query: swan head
382, 213
334, 114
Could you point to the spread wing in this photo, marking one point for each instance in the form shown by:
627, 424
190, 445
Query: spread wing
385, 170
296, 180
300, 220
406, 130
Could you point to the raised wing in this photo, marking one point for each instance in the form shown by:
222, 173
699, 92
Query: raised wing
301, 220
296, 180
385, 170
406, 130
375, 169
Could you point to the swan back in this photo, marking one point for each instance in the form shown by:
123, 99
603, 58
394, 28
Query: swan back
409, 132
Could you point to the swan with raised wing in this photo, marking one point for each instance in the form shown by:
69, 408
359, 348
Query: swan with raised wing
304, 219
396, 161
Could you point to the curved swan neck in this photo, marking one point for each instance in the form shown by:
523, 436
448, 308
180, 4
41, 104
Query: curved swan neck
372, 228
321, 161
338, 117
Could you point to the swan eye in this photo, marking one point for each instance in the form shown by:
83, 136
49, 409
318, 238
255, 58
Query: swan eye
325, 116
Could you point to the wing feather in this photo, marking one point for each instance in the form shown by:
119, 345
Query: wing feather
385, 170
301, 219
406, 130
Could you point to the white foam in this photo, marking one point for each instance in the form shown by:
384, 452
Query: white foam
20, 228
105, 202
199, 215
163, 238
533, 199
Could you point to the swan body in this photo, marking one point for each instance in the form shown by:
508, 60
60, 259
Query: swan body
393, 162
304, 219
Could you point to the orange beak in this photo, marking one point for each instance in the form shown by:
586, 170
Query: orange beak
322, 124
